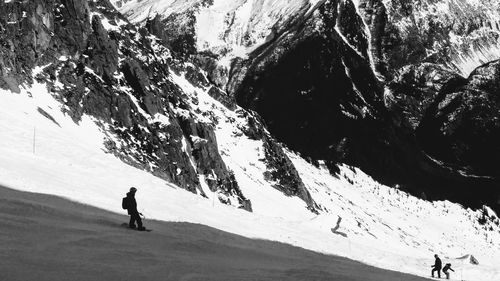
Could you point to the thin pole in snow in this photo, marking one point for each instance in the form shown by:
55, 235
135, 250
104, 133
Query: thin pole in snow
34, 139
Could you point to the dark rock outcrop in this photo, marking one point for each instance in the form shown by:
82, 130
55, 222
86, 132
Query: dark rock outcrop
415, 88
459, 35
203, 147
373, 13
319, 92
283, 173
309, 82
177, 31
102, 66
462, 128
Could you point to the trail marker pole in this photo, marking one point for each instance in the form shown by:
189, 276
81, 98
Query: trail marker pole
34, 139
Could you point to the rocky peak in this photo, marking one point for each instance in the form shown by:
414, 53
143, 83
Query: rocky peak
357, 77
461, 128
370, 83
460, 35
97, 64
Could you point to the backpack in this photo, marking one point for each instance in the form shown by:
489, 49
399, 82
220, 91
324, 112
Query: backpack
125, 203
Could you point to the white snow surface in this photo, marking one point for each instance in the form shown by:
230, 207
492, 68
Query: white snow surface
385, 227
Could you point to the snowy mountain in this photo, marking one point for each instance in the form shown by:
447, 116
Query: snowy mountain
268, 119
385, 227
461, 35
227, 28
365, 106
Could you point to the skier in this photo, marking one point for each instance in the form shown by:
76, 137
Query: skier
437, 267
446, 268
130, 204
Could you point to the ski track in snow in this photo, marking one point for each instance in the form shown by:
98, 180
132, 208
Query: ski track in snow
385, 227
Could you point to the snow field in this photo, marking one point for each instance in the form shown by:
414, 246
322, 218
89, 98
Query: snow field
385, 227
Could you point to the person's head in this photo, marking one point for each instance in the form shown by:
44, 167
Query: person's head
436, 256
448, 264
133, 189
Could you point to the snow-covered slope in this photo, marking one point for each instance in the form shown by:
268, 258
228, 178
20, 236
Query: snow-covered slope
137, 100
43, 150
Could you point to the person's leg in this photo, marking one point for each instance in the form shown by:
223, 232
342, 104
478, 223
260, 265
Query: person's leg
131, 223
447, 275
439, 272
134, 216
432, 272
139, 222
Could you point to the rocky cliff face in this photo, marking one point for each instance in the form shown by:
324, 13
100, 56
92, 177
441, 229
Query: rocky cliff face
424, 49
459, 35
346, 81
147, 94
461, 127
311, 84
375, 84
97, 64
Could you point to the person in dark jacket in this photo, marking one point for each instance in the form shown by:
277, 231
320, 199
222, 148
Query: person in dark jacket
132, 210
437, 266
446, 268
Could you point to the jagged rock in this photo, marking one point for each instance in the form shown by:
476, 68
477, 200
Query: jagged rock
310, 83
223, 97
459, 35
415, 87
195, 77
341, 106
108, 69
317, 74
177, 31
217, 74
254, 128
462, 128
282, 171
204, 149
373, 13
103, 51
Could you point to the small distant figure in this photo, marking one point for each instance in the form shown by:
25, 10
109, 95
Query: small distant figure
130, 205
446, 268
436, 267
335, 229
